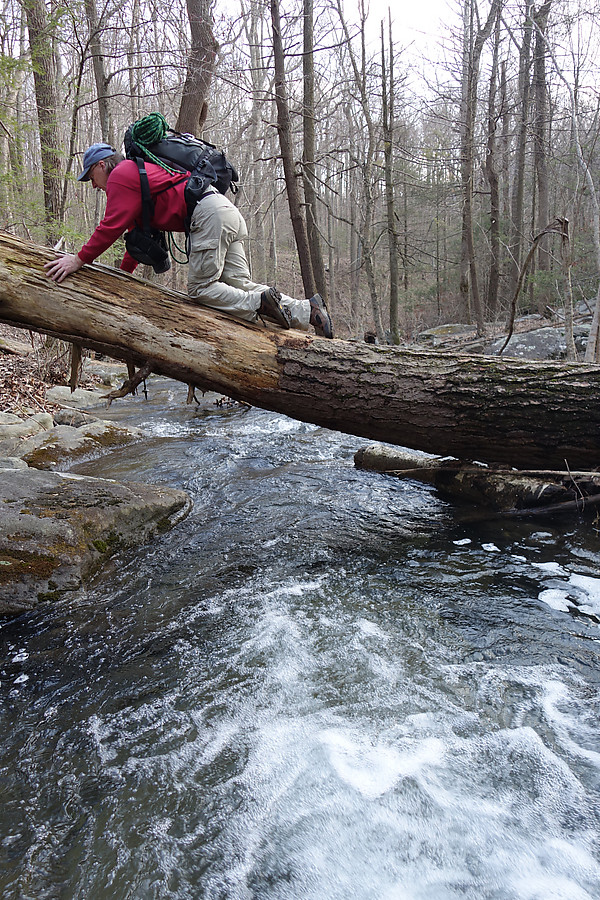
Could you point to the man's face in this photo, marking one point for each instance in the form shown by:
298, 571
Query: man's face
98, 176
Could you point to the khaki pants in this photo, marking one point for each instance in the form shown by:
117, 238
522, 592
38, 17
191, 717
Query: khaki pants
219, 275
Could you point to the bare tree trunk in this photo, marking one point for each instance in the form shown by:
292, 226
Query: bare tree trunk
14, 177
366, 166
45, 70
273, 240
388, 134
505, 154
540, 142
133, 54
567, 262
466, 154
284, 128
492, 177
523, 413
516, 225
472, 47
259, 200
355, 264
96, 50
200, 69
308, 168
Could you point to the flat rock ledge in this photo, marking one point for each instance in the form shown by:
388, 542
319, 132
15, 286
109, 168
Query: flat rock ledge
48, 441
58, 529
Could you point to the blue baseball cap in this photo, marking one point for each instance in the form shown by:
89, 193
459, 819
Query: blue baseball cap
93, 155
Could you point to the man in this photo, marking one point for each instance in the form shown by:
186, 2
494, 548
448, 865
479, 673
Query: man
219, 275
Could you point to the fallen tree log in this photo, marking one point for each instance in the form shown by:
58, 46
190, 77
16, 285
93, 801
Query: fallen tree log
511, 492
496, 410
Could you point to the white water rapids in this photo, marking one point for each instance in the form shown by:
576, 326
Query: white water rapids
323, 684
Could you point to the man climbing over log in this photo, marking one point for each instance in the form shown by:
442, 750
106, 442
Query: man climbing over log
219, 274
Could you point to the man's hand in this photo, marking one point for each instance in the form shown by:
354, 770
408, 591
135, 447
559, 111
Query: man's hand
58, 269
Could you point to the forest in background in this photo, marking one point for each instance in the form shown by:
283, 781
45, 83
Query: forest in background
411, 192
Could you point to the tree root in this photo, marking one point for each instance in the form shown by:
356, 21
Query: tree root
132, 383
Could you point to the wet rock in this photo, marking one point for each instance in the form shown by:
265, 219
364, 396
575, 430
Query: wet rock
65, 444
43, 445
73, 417
12, 462
57, 530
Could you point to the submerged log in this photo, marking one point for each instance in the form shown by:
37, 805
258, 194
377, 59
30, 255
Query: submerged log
495, 410
504, 490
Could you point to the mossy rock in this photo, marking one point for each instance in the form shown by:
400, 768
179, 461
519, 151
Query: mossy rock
57, 530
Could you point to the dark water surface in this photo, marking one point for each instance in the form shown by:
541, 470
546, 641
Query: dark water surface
323, 684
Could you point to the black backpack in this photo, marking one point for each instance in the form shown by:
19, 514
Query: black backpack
151, 139
207, 165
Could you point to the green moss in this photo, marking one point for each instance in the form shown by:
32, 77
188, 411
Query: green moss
113, 437
164, 525
49, 595
44, 458
16, 563
110, 543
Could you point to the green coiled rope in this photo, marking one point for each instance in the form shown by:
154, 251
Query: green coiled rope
148, 131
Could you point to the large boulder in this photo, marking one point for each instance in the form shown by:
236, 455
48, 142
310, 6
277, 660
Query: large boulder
57, 530
541, 343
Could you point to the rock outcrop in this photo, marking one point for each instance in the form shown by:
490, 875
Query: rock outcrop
58, 529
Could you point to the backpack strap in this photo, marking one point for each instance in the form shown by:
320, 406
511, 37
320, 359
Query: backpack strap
147, 204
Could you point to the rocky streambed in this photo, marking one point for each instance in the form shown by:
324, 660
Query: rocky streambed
58, 529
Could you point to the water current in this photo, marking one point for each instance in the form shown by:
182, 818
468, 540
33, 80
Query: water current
323, 684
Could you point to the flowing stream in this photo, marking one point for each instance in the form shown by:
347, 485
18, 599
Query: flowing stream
323, 684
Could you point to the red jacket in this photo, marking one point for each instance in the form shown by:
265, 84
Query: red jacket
124, 208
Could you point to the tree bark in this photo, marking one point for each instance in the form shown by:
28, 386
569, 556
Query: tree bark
492, 177
284, 128
473, 43
540, 144
516, 412
517, 202
366, 164
592, 350
388, 156
95, 42
309, 154
201, 65
45, 67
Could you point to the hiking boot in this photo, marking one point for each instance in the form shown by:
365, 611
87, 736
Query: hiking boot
320, 318
271, 308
